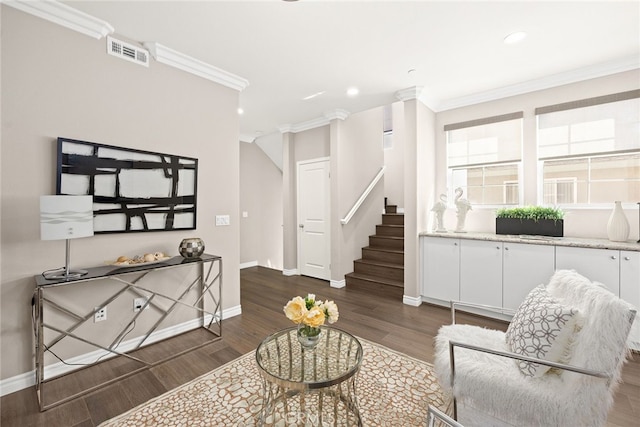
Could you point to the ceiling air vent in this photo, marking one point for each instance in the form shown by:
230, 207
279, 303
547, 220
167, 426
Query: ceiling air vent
127, 51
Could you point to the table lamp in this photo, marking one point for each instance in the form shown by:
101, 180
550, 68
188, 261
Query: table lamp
65, 217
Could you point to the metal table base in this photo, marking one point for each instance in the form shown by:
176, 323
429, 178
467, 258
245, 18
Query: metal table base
207, 287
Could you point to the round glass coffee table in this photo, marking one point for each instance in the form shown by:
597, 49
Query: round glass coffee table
309, 387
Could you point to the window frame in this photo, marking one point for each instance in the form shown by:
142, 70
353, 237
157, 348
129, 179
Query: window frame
589, 102
519, 116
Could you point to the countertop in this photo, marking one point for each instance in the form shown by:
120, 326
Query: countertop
578, 242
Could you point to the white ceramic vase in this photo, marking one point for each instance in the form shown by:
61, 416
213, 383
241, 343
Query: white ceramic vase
618, 225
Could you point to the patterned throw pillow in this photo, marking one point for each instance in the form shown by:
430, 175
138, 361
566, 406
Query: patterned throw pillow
542, 328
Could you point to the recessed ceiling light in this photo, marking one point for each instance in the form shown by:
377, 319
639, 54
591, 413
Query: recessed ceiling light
353, 91
313, 95
240, 111
514, 38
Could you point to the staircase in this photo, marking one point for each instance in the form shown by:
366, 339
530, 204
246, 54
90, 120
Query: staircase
382, 264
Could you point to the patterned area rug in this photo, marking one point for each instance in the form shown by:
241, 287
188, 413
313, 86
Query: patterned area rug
393, 390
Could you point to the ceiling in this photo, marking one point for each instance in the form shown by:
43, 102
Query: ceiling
289, 50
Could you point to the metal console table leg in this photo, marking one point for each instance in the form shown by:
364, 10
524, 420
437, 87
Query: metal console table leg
208, 288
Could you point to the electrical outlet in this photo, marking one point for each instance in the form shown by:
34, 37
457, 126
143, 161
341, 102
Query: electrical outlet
138, 303
222, 220
99, 314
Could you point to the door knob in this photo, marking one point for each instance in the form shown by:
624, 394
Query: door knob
301, 225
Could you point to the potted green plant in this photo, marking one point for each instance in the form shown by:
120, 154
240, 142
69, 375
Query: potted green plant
534, 220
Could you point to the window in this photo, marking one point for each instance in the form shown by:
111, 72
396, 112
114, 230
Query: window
589, 150
484, 159
558, 191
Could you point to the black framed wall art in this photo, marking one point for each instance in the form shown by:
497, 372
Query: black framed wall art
133, 190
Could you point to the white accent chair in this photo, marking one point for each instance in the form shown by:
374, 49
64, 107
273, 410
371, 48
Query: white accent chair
491, 387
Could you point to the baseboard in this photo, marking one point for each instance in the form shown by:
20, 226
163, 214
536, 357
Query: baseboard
292, 272
338, 283
27, 379
17, 383
248, 264
412, 301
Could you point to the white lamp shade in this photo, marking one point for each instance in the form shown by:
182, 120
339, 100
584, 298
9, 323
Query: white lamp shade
66, 217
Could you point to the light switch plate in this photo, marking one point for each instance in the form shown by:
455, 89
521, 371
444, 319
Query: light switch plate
222, 220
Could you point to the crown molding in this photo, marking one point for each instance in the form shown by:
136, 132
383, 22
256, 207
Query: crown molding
409, 93
247, 138
285, 128
573, 76
192, 65
64, 15
337, 114
302, 126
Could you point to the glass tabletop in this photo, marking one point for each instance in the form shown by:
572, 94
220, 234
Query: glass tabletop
282, 360
105, 271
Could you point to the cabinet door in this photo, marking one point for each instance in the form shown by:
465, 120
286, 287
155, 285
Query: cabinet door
441, 268
524, 267
630, 290
597, 265
481, 272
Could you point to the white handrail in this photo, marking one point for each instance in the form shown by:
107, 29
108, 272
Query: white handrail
362, 198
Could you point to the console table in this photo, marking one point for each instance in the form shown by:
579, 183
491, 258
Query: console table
203, 295
309, 387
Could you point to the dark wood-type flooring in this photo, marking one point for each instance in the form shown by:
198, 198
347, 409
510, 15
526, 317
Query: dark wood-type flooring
374, 314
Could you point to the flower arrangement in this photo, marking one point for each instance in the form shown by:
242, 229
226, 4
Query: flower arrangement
309, 314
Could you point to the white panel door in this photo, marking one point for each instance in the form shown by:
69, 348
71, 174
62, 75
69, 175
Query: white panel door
441, 268
630, 290
524, 267
597, 265
481, 272
314, 233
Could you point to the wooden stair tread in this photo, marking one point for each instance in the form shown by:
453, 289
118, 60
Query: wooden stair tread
380, 263
383, 249
387, 237
375, 279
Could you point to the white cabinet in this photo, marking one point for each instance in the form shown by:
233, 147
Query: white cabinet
481, 272
598, 265
524, 266
618, 270
501, 273
441, 268
630, 289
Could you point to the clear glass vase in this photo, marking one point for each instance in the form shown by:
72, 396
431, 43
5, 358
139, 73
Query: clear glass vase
308, 336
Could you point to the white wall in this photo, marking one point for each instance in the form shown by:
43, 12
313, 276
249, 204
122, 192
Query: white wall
57, 82
394, 160
356, 158
312, 144
419, 172
261, 198
591, 222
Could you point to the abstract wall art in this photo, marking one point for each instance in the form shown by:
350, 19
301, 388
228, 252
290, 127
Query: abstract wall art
133, 190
